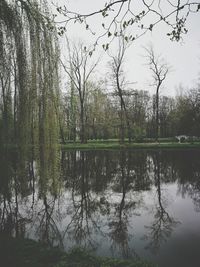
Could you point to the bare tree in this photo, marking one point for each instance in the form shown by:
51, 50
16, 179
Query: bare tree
119, 85
79, 69
159, 69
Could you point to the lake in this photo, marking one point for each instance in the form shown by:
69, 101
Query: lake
120, 203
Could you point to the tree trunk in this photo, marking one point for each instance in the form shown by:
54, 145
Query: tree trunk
157, 114
82, 124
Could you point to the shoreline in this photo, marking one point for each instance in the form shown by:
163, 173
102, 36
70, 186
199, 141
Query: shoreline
117, 145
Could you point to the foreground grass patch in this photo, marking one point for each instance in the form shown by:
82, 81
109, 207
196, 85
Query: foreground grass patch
82, 258
28, 253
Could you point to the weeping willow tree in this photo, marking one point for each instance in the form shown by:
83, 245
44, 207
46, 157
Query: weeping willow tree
29, 81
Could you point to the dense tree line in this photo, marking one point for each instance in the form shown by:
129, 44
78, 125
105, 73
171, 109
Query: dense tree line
178, 115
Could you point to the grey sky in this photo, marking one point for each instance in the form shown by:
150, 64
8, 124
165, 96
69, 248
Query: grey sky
183, 57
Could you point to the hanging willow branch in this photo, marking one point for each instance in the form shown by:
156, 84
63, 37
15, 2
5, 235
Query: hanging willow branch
28, 78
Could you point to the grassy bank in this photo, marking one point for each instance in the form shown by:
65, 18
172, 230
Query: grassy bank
126, 145
147, 143
28, 253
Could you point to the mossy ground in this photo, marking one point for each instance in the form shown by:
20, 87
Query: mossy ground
29, 253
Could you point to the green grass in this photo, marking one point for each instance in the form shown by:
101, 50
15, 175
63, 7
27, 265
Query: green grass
148, 143
82, 258
126, 145
29, 253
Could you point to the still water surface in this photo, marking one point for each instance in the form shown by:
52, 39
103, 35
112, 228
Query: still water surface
116, 203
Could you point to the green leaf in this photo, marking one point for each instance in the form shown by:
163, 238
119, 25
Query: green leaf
124, 24
103, 13
150, 27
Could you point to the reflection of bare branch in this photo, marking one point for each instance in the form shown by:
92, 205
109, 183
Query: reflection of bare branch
193, 190
119, 236
48, 229
160, 230
84, 222
163, 223
119, 225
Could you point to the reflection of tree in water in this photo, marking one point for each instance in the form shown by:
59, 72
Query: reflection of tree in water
13, 187
163, 224
47, 222
194, 193
188, 173
86, 205
119, 234
89, 174
100, 187
18, 203
191, 189
99, 168
49, 184
182, 166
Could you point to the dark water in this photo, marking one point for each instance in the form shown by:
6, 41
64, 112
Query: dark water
116, 203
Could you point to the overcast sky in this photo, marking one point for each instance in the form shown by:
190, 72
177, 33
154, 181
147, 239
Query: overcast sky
183, 57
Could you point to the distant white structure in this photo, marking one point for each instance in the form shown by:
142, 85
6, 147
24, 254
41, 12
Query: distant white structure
182, 138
